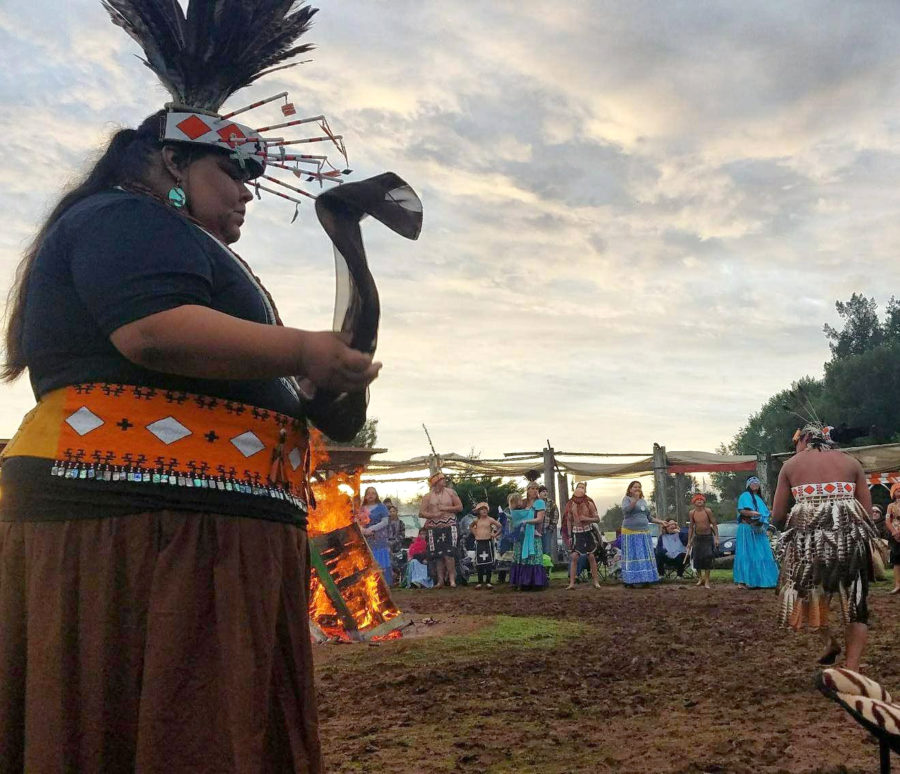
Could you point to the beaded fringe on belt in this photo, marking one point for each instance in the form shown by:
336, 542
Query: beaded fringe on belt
116, 432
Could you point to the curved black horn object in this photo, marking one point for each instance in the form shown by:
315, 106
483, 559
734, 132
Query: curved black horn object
357, 311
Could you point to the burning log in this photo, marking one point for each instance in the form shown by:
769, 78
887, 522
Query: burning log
349, 598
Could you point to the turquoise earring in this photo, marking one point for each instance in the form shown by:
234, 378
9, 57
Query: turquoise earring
177, 196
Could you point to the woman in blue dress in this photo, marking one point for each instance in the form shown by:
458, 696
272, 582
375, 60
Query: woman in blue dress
638, 558
376, 529
754, 565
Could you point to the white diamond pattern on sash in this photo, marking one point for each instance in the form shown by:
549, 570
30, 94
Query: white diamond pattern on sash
248, 443
295, 458
84, 420
168, 430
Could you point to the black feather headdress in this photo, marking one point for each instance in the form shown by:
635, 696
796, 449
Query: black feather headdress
220, 46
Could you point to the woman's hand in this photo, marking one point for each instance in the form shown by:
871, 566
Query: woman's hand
330, 364
200, 342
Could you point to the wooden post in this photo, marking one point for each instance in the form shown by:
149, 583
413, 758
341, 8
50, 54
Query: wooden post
762, 473
681, 485
659, 481
549, 477
550, 483
562, 488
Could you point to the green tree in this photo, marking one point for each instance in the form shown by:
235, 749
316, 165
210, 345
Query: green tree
612, 519
891, 323
475, 488
861, 329
860, 396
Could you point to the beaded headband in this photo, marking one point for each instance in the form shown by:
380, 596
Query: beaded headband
213, 50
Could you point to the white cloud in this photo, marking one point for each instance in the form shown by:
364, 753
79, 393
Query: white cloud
637, 214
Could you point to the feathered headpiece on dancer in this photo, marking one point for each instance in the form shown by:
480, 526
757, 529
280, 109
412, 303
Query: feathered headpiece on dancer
218, 47
205, 55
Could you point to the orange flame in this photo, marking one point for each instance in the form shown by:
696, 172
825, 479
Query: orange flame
346, 555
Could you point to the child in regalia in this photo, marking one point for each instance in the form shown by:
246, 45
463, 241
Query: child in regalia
485, 528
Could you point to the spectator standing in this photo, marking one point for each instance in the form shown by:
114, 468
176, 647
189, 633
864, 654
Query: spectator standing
376, 529
580, 518
527, 571
703, 538
551, 521
503, 560
396, 529
878, 521
892, 525
439, 508
638, 562
754, 565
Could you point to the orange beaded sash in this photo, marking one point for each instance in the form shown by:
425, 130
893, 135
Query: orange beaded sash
117, 432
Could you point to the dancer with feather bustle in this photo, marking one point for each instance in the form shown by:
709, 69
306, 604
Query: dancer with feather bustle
824, 550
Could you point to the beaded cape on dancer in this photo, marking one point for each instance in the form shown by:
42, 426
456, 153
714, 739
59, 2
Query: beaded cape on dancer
825, 547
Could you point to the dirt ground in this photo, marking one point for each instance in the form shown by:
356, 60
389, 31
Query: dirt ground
664, 679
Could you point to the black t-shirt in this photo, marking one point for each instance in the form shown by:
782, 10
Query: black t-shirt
111, 259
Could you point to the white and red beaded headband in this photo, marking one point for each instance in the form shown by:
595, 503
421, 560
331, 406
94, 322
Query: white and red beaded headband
193, 54
264, 153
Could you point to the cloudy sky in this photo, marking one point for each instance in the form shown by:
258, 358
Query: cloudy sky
638, 215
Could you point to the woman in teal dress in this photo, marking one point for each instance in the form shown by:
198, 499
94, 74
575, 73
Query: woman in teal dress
527, 570
754, 565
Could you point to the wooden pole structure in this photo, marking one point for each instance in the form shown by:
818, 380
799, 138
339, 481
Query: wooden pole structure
549, 472
681, 486
562, 486
659, 481
550, 483
762, 473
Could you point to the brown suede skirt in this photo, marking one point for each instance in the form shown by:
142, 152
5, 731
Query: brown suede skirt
162, 642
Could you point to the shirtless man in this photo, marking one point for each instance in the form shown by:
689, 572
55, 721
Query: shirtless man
703, 537
580, 516
484, 529
439, 508
832, 497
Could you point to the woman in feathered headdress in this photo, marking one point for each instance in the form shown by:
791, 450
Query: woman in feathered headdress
153, 541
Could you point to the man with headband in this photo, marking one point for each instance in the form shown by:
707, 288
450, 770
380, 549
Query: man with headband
439, 508
580, 517
703, 538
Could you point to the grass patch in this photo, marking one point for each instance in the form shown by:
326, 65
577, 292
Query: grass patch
522, 631
498, 634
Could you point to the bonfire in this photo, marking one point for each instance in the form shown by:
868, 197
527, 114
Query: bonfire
349, 599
